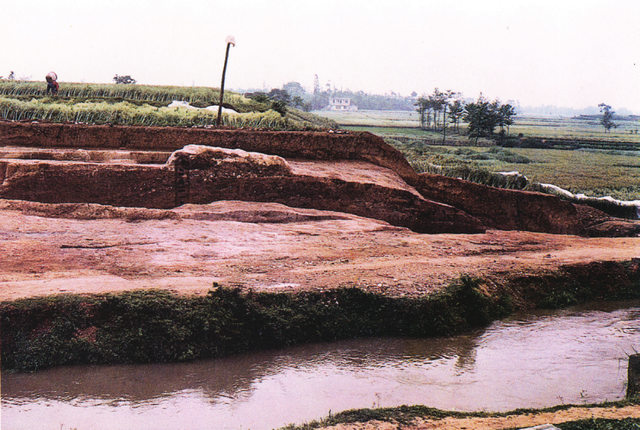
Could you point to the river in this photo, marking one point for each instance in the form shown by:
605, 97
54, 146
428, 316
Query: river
541, 359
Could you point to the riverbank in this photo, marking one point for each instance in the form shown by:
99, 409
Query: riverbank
158, 326
504, 366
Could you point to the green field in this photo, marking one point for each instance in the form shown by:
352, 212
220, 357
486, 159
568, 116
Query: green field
579, 156
145, 105
406, 123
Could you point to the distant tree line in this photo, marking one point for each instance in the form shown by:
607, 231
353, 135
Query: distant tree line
366, 101
442, 108
294, 94
437, 111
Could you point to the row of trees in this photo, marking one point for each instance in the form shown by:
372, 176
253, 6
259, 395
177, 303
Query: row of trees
437, 111
294, 94
440, 108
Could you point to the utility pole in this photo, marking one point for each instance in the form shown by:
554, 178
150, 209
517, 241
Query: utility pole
230, 41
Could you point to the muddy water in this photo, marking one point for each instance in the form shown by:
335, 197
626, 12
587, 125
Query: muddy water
571, 356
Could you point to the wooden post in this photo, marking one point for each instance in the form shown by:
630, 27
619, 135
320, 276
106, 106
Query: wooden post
230, 41
633, 383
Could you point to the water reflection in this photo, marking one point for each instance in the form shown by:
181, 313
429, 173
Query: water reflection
572, 356
233, 377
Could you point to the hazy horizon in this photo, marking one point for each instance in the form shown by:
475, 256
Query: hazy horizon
565, 53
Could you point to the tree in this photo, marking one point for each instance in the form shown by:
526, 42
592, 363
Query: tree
481, 116
607, 117
294, 89
445, 99
299, 103
421, 104
505, 113
279, 95
277, 99
484, 116
456, 110
296, 93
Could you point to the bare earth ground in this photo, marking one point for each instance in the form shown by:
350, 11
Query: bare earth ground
511, 421
263, 246
87, 248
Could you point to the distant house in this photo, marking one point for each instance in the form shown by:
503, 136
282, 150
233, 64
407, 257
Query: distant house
342, 104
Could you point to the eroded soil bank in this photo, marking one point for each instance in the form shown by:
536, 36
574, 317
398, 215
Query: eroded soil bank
81, 248
355, 173
78, 246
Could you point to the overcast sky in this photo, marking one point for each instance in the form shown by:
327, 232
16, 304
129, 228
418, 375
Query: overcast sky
571, 53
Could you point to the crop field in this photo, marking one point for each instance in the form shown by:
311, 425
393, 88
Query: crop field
591, 172
373, 118
147, 93
580, 157
576, 128
143, 105
587, 128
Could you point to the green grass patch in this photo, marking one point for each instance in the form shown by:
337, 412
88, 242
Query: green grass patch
156, 326
572, 153
150, 93
571, 130
594, 173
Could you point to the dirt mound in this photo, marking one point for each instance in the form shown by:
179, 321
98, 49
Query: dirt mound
225, 162
355, 173
306, 145
218, 211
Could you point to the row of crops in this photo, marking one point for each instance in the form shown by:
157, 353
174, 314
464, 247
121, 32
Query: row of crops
140, 105
125, 113
151, 93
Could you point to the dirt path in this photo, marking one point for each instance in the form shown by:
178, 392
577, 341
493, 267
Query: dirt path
511, 421
49, 249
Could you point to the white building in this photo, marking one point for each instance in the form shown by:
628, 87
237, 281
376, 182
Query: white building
341, 104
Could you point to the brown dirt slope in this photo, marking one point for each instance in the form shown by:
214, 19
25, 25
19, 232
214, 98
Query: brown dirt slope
423, 203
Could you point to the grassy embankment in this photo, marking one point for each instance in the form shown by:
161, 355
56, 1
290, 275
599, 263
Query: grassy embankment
144, 105
156, 326
151, 326
572, 153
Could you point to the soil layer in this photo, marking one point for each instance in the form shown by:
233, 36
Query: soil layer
83, 248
